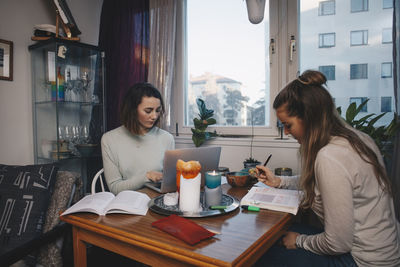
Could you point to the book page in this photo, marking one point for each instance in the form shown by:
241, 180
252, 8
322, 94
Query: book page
130, 202
272, 198
91, 203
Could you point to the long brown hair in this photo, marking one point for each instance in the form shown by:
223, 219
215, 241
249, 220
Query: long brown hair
133, 97
307, 99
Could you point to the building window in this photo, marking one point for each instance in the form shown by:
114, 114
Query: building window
386, 70
327, 40
359, 5
359, 37
328, 71
387, 4
387, 36
326, 8
386, 104
358, 101
358, 71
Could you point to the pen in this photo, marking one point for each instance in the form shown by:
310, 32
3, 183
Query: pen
266, 162
250, 208
217, 207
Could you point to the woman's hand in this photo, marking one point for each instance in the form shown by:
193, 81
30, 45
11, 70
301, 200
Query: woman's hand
289, 240
154, 176
266, 176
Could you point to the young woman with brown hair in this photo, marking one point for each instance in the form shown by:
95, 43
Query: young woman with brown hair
343, 180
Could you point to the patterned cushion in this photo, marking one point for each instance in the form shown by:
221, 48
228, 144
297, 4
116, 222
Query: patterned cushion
25, 192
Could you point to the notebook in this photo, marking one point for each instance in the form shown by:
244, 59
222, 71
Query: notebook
207, 156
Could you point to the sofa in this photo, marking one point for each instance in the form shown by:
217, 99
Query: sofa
31, 199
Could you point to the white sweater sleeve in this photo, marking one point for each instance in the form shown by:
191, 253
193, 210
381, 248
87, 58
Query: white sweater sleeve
334, 183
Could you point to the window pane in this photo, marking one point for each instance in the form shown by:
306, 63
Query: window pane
386, 104
358, 69
386, 70
358, 101
228, 65
359, 37
328, 71
327, 40
359, 5
387, 36
387, 4
326, 8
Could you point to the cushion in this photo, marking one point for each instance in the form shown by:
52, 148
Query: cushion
25, 192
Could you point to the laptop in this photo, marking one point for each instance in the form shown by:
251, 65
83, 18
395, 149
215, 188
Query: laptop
207, 156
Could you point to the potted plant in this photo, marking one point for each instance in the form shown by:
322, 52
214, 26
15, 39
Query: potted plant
382, 135
200, 135
251, 162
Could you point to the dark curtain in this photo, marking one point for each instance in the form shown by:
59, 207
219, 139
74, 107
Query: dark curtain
395, 172
124, 36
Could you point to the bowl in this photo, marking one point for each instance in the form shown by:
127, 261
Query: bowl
239, 179
86, 150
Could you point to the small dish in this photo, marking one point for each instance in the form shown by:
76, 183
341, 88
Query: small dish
239, 179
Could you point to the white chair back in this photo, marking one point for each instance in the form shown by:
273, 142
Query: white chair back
98, 177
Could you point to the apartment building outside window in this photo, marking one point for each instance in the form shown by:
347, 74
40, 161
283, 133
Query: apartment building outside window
328, 71
359, 5
327, 40
326, 8
386, 70
386, 104
358, 101
358, 71
359, 37
387, 36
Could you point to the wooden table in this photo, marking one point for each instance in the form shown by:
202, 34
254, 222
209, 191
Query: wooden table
244, 236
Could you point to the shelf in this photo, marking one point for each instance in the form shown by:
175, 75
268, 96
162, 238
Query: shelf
47, 102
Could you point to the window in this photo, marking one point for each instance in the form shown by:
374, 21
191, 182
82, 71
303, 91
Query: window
326, 40
359, 5
328, 71
359, 37
387, 36
358, 101
386, 104
387, 4
386, 70
358, 71
326, 8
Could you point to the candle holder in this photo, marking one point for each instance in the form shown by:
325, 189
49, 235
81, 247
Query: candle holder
213, 179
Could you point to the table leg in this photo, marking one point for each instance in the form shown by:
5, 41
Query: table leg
80, 259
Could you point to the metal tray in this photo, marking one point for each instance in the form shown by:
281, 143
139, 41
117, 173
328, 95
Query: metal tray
157, 205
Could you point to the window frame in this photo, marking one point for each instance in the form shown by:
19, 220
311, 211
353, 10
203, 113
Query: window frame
362, 99
391, 36
321, 5
365, 8
391, 70
327, 76
364, 37
386, 2
321, 35
280, 13
359, 64
389, 99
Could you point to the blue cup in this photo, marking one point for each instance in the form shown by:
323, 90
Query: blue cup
213, 179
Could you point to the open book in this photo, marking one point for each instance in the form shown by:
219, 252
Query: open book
273, 199
129, 202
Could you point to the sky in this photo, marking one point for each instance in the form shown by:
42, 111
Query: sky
221, 40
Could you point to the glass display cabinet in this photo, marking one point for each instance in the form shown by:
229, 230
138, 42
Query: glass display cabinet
68, 105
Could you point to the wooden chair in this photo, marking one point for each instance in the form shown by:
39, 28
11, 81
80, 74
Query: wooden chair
99, 177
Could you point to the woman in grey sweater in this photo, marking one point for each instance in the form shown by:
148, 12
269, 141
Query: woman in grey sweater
344, 182
133, 153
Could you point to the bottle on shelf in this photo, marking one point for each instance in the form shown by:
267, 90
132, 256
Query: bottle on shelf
61, 84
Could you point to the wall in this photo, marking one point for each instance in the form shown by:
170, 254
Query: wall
17, 19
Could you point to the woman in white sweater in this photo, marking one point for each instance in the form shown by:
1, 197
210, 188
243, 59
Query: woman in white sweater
344, 182
133, 153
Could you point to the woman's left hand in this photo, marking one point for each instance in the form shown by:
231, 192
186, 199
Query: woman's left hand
289, 240
154, 176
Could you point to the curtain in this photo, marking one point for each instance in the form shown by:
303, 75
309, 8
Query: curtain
395, 172
162, 49
124, 36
